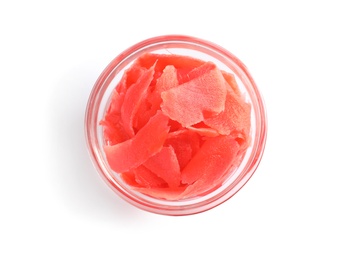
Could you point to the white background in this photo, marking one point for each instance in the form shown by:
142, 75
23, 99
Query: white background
53, 203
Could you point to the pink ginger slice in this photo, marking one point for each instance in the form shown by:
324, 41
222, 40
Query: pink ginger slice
183, 64
133, 98
197, 72
235, 117
152, 102
185, 144
130, 77
113, 130
178, 61
167, 80
203, 130
164, 164
230, 79
129, 178
202, 96
212, 160
135, 151
147, 178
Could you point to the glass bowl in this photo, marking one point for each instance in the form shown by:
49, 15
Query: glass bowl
99, 102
